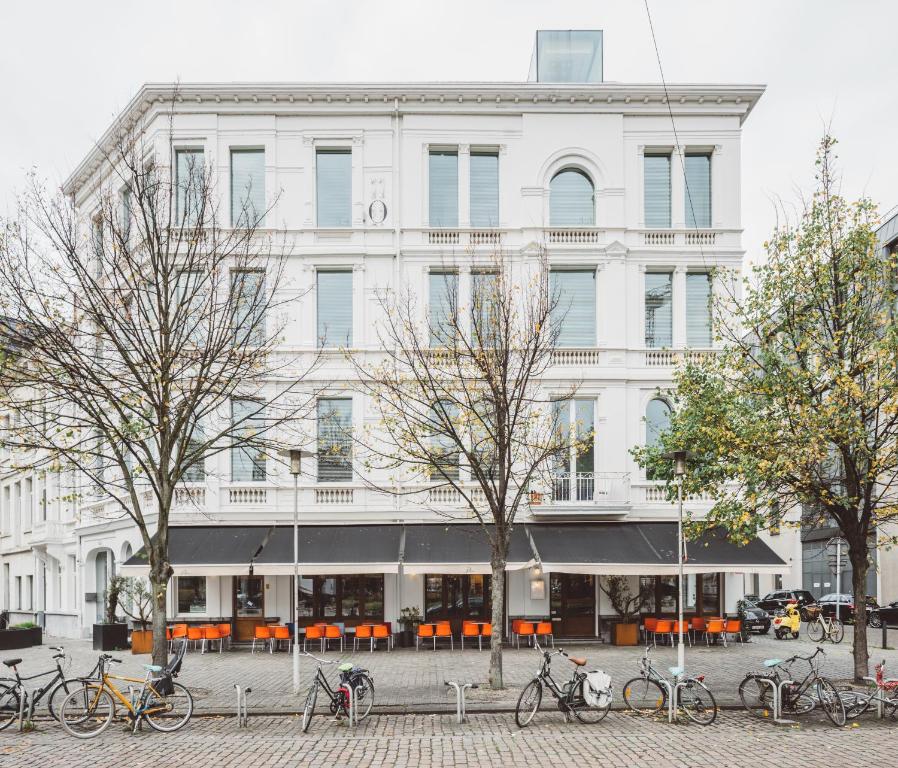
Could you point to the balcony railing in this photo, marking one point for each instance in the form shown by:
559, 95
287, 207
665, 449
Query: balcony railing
588, 491
573, 235
668, 358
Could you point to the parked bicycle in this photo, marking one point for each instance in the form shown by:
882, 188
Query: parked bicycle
822, 628
13, 693
799, 697
353, 681
577, 697
164, 704
883, 695
649, 693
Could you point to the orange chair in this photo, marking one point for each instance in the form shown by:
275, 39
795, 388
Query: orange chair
333, 632
178, 631
648, 627
544, 630
195, 635
514, 628
486, 630
225, 630
425, 632
314, 633
211, 634
675, 631
363, 632
263, 634
469, 629
733, 627
525, 629
715, 628
663, 627
382, 632
443, 632
278, 635
698, 625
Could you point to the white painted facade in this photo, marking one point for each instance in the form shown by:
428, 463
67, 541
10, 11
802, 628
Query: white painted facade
604, 130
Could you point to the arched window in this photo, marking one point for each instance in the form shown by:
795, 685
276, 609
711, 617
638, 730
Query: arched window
657, 421
571, 199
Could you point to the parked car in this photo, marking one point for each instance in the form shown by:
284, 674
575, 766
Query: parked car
845, 604
777, 601
886, 613
754, 618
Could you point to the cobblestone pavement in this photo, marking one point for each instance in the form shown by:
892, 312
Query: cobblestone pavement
736, 739
412, 681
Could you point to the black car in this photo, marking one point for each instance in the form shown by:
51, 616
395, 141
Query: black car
777, 601
754, 619
888, 614
845, 604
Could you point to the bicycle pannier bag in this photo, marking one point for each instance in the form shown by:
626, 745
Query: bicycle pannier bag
597, 689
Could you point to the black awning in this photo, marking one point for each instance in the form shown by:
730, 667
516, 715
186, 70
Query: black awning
322, 549
458, 548
645, 548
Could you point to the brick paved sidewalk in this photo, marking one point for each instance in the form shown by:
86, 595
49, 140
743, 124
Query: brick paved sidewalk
410, 681
736, 739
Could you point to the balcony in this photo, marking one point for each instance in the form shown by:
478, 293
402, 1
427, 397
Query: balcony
670, 358
689, 238
586, 493
573, 235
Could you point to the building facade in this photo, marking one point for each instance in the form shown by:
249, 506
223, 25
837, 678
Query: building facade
387, 184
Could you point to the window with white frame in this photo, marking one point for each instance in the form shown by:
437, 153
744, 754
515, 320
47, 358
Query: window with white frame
698, 309
333, 180
484, 197
334, 299
248, 295
247, 187
575, 466
247, 458
485, 301
656, 189
658, 309
443, 448
334, 440
443, 188
191, 594
698, 189
573, 293
125, 214
657, 422
443, 295
572, 201
190, 175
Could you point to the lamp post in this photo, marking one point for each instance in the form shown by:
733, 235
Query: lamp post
679, 460
295, 456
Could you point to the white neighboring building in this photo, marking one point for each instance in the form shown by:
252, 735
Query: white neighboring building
382, 183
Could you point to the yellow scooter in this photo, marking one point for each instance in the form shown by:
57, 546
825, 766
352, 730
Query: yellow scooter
787, 622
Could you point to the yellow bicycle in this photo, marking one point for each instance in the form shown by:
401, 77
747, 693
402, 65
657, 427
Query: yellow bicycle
163, 703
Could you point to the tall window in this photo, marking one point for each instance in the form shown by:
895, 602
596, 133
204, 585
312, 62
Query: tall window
248, 295
191, 594
351, 598
190, 177
334, 181
196, 472
247, 460
443, 182
334, 440
698, 189
657, 421
571, 199
698, 309
657, 190
456, 597
485, 302
443, 297
573, 292
442, 446
247, 187
658, 309
484, 188
125, 213
575, 466
335, 308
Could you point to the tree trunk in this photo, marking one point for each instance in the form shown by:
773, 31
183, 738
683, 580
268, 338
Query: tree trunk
160, 573
857, 553
497, 590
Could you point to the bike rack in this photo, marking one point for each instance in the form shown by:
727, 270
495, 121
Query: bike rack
880, 713
242, 713
353, 708
778, 700
22, 709
460, 691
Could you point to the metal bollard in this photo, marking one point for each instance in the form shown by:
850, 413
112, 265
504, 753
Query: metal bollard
242, 714
885, 633
460, 690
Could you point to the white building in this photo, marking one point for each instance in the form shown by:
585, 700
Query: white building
377, 184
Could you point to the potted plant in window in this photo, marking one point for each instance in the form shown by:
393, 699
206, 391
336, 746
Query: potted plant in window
109, 634
409, 619
627, 605
137, 605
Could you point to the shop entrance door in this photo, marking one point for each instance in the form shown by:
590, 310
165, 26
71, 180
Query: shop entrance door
249, 606
573, 604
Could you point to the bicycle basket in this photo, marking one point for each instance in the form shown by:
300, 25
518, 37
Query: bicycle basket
597, 689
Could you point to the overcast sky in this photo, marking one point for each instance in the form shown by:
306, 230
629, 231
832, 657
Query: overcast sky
67, 68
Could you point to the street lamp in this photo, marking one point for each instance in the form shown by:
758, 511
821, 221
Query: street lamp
679, 459
295, 456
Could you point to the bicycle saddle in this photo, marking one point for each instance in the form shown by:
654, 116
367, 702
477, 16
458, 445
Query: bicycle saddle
772, 662
12, 662
578, 661
152, 667
675, 671
345, 667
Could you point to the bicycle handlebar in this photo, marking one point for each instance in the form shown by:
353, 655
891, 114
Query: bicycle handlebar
321, 661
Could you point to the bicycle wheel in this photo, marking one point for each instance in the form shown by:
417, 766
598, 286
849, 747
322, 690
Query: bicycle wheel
816, 630
644, 696
582, 711
309, 709
830, 701
62, 689
9, 706
855, 702
837, 631
363, 690
528, 703
87, 712
698, 703
756, 696
169, 712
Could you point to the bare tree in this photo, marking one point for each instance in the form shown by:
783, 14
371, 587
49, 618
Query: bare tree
144, 340
460, 401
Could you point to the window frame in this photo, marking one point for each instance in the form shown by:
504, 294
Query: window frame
260, 214
657, 154
204, 580
341, 462
592, 199
324, 150
450, 222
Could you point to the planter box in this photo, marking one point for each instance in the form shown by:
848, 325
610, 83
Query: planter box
110, 637
20, 638
626, 634
405, 638
142, 641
